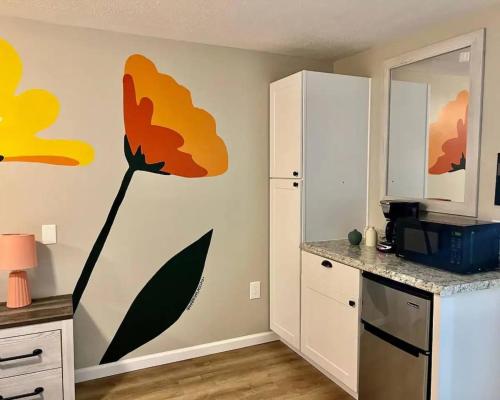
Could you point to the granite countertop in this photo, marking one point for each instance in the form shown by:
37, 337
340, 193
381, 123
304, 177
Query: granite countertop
388, 265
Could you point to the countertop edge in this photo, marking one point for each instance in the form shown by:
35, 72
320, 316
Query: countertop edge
437, 289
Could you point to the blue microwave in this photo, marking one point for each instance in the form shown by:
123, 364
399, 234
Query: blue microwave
455, 244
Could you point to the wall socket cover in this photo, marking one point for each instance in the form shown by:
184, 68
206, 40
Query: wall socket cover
49, 234
254, 290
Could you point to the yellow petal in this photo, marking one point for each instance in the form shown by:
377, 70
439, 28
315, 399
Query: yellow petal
23, 116
10, 69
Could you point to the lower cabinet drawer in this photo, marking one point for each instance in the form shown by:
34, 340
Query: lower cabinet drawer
26, 354
330, 278
47, 385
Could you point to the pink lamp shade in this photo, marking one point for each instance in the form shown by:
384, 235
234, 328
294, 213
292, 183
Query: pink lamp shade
17, 254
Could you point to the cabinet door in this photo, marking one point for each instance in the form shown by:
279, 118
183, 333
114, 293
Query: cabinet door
285, 237
286, 127
330, 317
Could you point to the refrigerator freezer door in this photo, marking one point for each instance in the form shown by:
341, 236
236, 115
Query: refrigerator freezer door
400, 314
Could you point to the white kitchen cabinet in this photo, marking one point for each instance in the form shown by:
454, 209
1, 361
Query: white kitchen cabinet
285, 236
330, 317
286, 127
318, 173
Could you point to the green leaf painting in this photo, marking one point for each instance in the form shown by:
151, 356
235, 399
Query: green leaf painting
162, 300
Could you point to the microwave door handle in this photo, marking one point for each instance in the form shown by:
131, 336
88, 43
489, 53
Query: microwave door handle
427, 242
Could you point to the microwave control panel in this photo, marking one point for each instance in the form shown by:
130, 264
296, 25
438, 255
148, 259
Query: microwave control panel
456, 247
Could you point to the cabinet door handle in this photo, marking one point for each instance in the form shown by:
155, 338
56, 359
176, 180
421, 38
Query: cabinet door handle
34, 353
295, 184
352, 303
327, 264
37, 391
295, 173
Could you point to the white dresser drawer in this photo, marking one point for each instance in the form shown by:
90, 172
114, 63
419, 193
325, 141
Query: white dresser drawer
330, 278
48, 384
40, 352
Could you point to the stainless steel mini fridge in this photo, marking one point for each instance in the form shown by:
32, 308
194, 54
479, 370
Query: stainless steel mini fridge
395, 351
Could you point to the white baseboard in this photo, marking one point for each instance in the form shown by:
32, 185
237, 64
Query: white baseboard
153, 360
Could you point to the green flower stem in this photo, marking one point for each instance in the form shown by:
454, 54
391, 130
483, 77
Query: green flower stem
101, 240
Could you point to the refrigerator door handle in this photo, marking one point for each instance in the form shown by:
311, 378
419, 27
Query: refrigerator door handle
400, 344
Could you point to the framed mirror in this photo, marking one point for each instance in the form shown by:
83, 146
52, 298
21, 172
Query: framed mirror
432, 125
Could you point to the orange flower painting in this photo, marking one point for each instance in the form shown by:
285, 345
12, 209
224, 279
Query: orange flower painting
448, 137
165, 133
162, 121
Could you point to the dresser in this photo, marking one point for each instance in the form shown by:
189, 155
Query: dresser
36, 350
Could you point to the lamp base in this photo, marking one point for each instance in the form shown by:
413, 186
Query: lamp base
18, 294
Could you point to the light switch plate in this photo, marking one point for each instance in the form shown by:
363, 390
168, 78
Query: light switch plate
254, 290
49, 234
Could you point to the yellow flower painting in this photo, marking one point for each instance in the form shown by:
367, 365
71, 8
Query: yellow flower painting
23, 116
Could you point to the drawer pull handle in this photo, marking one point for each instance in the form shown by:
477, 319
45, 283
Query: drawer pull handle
327, 264
352, 303
35, 353
37, 391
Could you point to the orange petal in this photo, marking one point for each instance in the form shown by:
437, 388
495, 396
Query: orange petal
174, 109
157, 143
55, 160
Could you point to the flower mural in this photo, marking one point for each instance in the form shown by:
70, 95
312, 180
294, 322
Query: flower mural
24, 115
164, 134
448, 137
162, 122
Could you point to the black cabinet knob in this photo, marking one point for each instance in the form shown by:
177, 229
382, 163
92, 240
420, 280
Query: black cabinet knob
352, 303
295, 184
295, 173
327, 264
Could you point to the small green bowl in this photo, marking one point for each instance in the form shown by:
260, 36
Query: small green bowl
355, 237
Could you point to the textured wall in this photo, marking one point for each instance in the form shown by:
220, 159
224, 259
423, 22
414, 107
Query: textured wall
160, 215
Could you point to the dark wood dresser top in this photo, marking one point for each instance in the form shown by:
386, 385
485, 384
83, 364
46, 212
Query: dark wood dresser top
48, 309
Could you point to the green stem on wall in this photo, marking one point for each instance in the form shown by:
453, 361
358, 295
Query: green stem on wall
101, 240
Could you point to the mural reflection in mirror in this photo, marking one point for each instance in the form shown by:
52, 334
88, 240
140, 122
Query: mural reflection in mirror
429, 102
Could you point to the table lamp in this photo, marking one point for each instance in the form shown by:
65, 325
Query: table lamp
17, 254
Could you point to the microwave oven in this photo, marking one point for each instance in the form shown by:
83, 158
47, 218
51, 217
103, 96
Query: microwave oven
459, 245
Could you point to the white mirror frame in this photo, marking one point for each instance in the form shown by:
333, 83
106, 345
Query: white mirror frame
476, 42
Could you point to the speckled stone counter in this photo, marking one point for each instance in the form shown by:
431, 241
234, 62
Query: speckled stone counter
388, 265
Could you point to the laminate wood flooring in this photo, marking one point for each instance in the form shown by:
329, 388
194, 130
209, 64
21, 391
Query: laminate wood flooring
268, 371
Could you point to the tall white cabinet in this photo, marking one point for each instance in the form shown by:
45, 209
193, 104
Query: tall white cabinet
318, 181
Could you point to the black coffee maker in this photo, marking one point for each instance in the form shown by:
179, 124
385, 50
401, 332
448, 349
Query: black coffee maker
393, 210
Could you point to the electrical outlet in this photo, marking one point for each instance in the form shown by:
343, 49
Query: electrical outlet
254, 290
49, 234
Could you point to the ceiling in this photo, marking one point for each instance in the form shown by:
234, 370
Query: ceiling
325, 29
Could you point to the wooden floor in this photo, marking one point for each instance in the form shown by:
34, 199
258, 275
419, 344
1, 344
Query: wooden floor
268, 371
